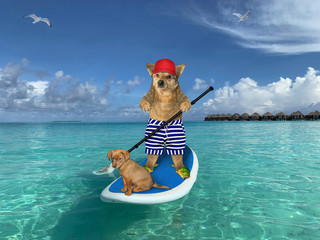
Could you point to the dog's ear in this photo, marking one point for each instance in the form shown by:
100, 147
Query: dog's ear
109, 156
179, 70
126, 155
150, 68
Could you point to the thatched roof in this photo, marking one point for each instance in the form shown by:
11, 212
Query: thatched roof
236, 116
255, 114
297, 113
245, 116
315, 113
267, 114
281, 114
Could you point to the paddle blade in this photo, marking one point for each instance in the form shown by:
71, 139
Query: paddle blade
106, 170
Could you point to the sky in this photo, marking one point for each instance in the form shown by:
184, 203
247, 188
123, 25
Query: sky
91, 64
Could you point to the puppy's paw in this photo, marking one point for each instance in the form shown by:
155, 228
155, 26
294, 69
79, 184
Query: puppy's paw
123, 189
185, 106
144, 105
128, 193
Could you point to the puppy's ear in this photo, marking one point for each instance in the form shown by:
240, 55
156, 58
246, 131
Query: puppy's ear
150, 68
126, 155
109, 156
179, 70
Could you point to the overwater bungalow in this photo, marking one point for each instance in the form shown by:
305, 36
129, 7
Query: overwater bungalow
222, 117
245, 117
217, 117
268, 116
214, 117
209, 117
297, 116
281, 116
256, 117
313, 116
228, 117
235, 117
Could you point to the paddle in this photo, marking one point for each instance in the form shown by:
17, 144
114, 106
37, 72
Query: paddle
109, 168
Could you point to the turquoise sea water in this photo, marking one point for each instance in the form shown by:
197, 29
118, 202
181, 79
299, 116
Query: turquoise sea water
256, 180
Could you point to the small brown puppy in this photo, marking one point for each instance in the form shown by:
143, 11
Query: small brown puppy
131, 173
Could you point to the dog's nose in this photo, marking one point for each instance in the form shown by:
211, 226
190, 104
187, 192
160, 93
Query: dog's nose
114, 165
160, 83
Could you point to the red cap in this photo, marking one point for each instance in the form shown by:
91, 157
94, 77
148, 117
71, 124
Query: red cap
165, 65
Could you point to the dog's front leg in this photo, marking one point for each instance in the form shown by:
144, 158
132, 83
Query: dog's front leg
129, 185
125, 187
184, 101
145, 105
185, 106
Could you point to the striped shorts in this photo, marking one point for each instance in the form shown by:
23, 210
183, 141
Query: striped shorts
172, 136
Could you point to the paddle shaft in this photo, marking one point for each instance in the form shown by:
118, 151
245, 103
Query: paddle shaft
169, 120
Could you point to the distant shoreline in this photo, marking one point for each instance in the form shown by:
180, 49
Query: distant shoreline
67, 121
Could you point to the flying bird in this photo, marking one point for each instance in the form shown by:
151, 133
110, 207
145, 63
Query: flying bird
242, 17
38, 19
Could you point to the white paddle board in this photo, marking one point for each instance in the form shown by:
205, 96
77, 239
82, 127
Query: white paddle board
163, 174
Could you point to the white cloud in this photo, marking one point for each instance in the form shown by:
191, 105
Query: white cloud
38, 88
282, 27
136, 81
59, 74
131, 112
61, 96
61, 93
287, 95
12, 90
199, 84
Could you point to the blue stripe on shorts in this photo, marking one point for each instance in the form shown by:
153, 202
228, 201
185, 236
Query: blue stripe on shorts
172, 136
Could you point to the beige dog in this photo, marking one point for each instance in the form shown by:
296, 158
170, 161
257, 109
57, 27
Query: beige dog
163, 100
131, 173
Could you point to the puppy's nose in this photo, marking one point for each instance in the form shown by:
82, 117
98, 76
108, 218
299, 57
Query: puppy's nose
160, 83
114, 165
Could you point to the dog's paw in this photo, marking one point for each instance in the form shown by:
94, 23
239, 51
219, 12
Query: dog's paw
123, 189
128, 193
185, 106
145, 105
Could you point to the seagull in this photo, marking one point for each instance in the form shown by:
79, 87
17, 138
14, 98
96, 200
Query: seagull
38, 19
242, 17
